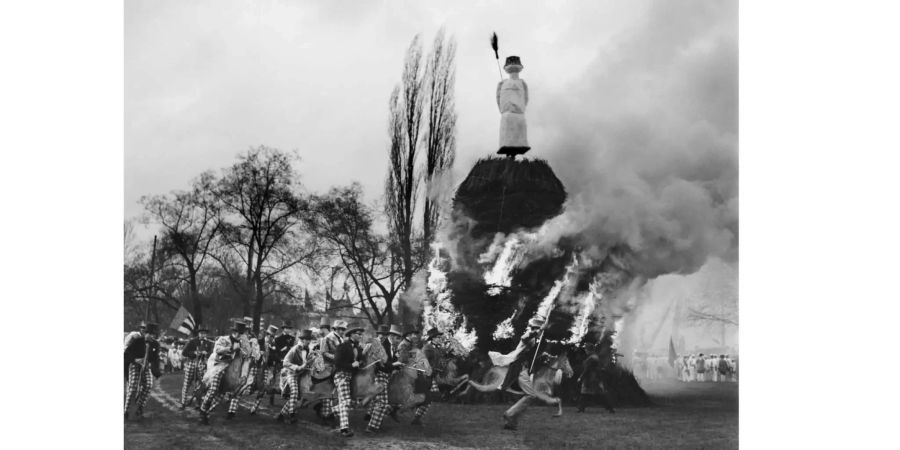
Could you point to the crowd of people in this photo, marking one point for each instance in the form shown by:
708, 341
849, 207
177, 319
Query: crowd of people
686, 368
700, 367
330, 351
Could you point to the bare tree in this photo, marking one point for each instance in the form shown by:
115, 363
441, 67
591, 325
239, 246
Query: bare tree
190, 223
402, 183
262, 231
440, 126
369, 272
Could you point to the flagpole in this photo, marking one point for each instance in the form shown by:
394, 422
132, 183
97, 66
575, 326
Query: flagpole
152, 268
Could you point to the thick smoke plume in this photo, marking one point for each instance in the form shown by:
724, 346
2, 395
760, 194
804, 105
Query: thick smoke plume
646, 141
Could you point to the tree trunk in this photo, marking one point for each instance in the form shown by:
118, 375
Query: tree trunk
196, 307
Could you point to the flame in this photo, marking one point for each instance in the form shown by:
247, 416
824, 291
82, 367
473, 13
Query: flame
546, 305
580, 325
504, 329
506, 253
439, 311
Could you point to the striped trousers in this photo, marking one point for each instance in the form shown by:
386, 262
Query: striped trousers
342, 386
248, 388
291, 405
423, 408
193, 371
380, 402
137, 389
213, 396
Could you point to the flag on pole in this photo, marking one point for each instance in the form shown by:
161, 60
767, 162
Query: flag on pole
672, 355
183, 322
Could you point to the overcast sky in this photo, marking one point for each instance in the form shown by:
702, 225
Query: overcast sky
641, 87
206, 80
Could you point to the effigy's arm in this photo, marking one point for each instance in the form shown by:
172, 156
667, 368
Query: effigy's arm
526, 91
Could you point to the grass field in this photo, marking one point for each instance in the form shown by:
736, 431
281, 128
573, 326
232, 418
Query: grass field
694, 415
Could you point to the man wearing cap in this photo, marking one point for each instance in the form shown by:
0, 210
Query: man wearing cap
142, 358
273, 365
195, 353
294, 364
347, 359
329, 347
379, 407
223, 352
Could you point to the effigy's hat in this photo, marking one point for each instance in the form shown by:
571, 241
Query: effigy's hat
383, 329
305, 334
287, 324
536, 322
352, 330
152, 328
339, 324
433, 333
513, 62
323, 323
272, 329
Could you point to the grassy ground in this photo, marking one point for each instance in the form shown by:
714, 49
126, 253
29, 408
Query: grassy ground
691, 415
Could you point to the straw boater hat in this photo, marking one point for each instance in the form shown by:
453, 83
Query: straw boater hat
513, 64
383, 329
536, 322
351, 330
323, 323
272, 329
305, 334
395, 330
202, 329
339, 324
433, 333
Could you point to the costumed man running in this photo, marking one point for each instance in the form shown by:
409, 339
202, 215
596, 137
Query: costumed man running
226, 348
390, 337
295, 363
435, 354
142, 364
195, 353
250, 369
347, 360
328, 348
524, 354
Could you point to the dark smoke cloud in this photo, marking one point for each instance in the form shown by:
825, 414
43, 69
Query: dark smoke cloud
646, 141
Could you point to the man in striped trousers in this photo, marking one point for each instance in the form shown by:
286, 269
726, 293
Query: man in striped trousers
195, 353
390, 337
294, 365
224, 350
142, 359
346, 362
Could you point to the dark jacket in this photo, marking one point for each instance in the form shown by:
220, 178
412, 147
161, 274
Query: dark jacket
388, 366
282, 345
435, 356
135, 351
346, 354
197, 348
